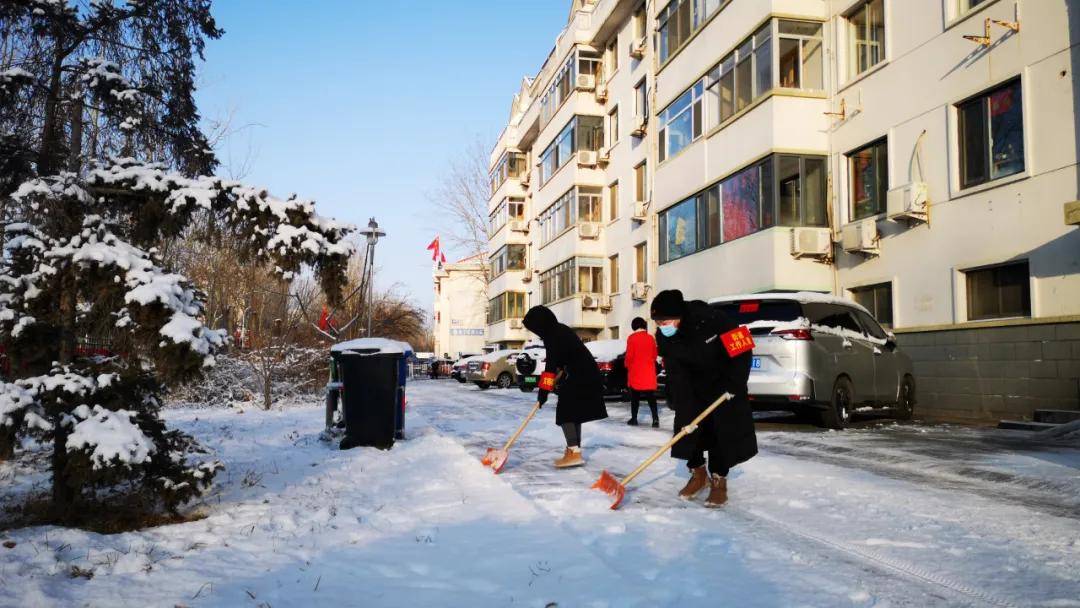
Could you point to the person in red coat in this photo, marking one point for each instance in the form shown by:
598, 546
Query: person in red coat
640, 364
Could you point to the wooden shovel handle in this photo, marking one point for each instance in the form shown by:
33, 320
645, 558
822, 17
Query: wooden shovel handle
686, 430
513, 438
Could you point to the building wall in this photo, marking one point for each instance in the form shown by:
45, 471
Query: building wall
460, 309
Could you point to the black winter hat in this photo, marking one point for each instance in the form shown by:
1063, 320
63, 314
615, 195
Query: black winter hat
668, 304
540, 320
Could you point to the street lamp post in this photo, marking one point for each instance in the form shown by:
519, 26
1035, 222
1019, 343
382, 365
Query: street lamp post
372, 234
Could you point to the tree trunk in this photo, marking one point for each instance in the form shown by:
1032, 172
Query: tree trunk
62, 496
51, 131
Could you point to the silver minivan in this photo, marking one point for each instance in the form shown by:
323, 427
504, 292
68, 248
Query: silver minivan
821, 353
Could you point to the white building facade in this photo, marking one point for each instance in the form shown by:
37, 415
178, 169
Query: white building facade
460, 300
918, 156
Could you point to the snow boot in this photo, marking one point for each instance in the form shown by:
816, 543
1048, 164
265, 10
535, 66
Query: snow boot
655, 423
717, 492
632, 422
699, 480
571, 458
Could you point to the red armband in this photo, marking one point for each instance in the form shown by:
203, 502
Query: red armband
737, 341
547, 381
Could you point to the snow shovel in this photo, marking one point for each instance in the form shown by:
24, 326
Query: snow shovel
617, 489
496, 459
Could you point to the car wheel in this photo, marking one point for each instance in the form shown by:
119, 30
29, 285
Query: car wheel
905, 405
483, 385
838, 414
504, 380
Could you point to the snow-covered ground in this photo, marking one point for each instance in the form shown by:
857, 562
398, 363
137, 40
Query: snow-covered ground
886, 515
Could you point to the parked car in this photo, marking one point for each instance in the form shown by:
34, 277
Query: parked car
460, 369
821, 353
528, 364
492, 369
610, 357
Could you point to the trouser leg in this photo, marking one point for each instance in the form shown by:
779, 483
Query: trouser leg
572, 432
696, 460
652, 405
635, 403
716, 464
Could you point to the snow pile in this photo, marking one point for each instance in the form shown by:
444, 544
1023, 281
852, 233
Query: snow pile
606, 350
109, 436
374, 345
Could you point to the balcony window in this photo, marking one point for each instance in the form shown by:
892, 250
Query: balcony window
565, 81
801, 56
869, 175
678, 21
681, 121
506, 305
507, 257
641, 100
510, 208
613, 201
576, 275
581, 133
783, 189
641, 182
510, 165
991, 135
877, 299
999, 292
579, 204
866, 37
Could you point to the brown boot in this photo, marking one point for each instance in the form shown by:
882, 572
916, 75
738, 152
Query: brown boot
717, 492
699, 479
571, 458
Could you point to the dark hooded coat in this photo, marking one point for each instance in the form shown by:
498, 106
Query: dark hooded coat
699, 370
580, 389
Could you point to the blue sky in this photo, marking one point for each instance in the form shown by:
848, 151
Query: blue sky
360, 105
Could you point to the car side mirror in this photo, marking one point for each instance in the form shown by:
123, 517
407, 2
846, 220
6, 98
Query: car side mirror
890, 340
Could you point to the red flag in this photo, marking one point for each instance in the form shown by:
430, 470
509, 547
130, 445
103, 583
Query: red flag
442, 258
325, 320
434, 249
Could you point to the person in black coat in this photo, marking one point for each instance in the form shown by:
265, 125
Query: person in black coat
699, 370
579, 386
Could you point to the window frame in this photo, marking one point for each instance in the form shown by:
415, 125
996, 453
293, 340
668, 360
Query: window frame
500, 308
875, 290
641, 182
853, 72
694, 99
641, 262
613, 274
612, 127
1027, 307
984, 99
565, 275
882, 188
613, 200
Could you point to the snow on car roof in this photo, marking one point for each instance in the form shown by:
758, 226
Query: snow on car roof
798, 296
606, 350
496, 355
382, 345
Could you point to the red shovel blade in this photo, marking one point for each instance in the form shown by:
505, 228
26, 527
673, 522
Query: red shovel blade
495, 459
610, 486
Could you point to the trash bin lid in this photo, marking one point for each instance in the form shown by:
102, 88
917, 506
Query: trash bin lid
371, 346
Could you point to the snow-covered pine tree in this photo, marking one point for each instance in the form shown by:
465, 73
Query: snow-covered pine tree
106, 162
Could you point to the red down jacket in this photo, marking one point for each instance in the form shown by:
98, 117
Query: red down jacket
641, 361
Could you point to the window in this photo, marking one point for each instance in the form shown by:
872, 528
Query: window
868, 170
611, 56
678, 21
997, 292
511, 164
640, 23
641, 263
866, 37
878, 300
507, 305
613, 274
581, 133
681, 121
991, 135
641, 186
576, 275
613, 127
511, 208
508, 257
564, 82
578, 204
801, 56
967, 5
613, 201
641, 100
783, 189
834, 316
746, 74
614, 332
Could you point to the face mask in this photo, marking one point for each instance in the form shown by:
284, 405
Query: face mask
668, 330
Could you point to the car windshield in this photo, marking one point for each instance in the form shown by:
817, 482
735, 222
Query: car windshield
748, 311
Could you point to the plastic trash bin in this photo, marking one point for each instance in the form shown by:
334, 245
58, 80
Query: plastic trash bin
372, 373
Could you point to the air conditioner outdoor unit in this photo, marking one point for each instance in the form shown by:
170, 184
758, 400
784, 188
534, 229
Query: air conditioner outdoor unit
811, 242
589, 230
601, 92
527, 275
605, 302
605, 156
519, 225
590, 302
525, 179
515, 323
585, 82
640, 126
639, 291
908, 202
641, 211
637, 48
587, 158
860, 237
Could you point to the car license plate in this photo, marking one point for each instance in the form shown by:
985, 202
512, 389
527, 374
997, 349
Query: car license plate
530, 380
755, 363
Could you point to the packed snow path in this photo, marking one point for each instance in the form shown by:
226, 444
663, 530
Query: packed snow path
889, 515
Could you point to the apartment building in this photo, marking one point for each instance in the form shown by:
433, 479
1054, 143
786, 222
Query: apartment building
917, 156
460, 300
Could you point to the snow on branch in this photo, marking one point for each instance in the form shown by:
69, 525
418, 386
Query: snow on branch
109, 437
